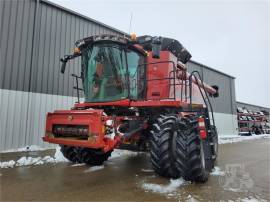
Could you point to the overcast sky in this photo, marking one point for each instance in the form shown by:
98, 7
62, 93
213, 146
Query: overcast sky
232, 36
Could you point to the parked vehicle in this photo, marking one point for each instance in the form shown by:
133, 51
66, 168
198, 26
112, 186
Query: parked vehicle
138, 96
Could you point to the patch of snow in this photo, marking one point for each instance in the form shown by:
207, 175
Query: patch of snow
94, 168
164, 189
48, 159
58, 156
27, 161
26, 149
78, 164
190, 199
7, 164
251, 199
234, 139
217, 172
236, 190
147, 170
119, 152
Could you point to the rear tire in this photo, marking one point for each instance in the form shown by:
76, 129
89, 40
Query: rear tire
71, 153
93, 156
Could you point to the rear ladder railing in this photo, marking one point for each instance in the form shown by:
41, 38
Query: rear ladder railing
205, 96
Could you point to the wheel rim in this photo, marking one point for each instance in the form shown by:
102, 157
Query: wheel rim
216, 148
202, 155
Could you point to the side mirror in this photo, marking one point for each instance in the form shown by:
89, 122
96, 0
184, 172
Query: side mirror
65, 59
63, 66
217, 92
156, 47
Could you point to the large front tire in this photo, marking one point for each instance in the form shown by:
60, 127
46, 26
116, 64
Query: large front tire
196, 164
177, 149
162, 146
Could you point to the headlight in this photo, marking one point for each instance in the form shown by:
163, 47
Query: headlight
109, 123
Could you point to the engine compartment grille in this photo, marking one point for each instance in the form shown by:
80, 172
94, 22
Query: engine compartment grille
71, 131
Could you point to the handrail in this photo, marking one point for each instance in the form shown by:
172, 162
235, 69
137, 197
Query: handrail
165, 78
203, 87
77, 86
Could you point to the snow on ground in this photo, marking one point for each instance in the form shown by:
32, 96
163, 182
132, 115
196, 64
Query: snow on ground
94, 168
78, 164
174, 184
217, 171
164, 189
251, 199
118, 153
58, 157
147, 170
234, 139
7, 164
27, 161
191, 199
26, 149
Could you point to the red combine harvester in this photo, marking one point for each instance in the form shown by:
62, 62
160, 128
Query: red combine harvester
138, 96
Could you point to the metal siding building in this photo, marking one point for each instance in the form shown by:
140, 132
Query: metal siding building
34, 34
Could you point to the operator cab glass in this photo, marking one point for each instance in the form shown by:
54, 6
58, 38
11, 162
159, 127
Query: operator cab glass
111, 72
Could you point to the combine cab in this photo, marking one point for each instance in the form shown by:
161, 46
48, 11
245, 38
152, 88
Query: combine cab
138, 96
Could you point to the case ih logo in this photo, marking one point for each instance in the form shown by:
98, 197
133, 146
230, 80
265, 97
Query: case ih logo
70, 118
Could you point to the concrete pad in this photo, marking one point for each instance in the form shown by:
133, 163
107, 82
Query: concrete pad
242, 174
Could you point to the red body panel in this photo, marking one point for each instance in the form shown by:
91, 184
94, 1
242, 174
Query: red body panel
166, 87
124, 103
91, 118
160, 89
142, 103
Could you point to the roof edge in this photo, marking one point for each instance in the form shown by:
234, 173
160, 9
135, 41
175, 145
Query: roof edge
252, 105
82, 16
212, 69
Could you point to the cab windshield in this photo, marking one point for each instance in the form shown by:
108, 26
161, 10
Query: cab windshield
109, 72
